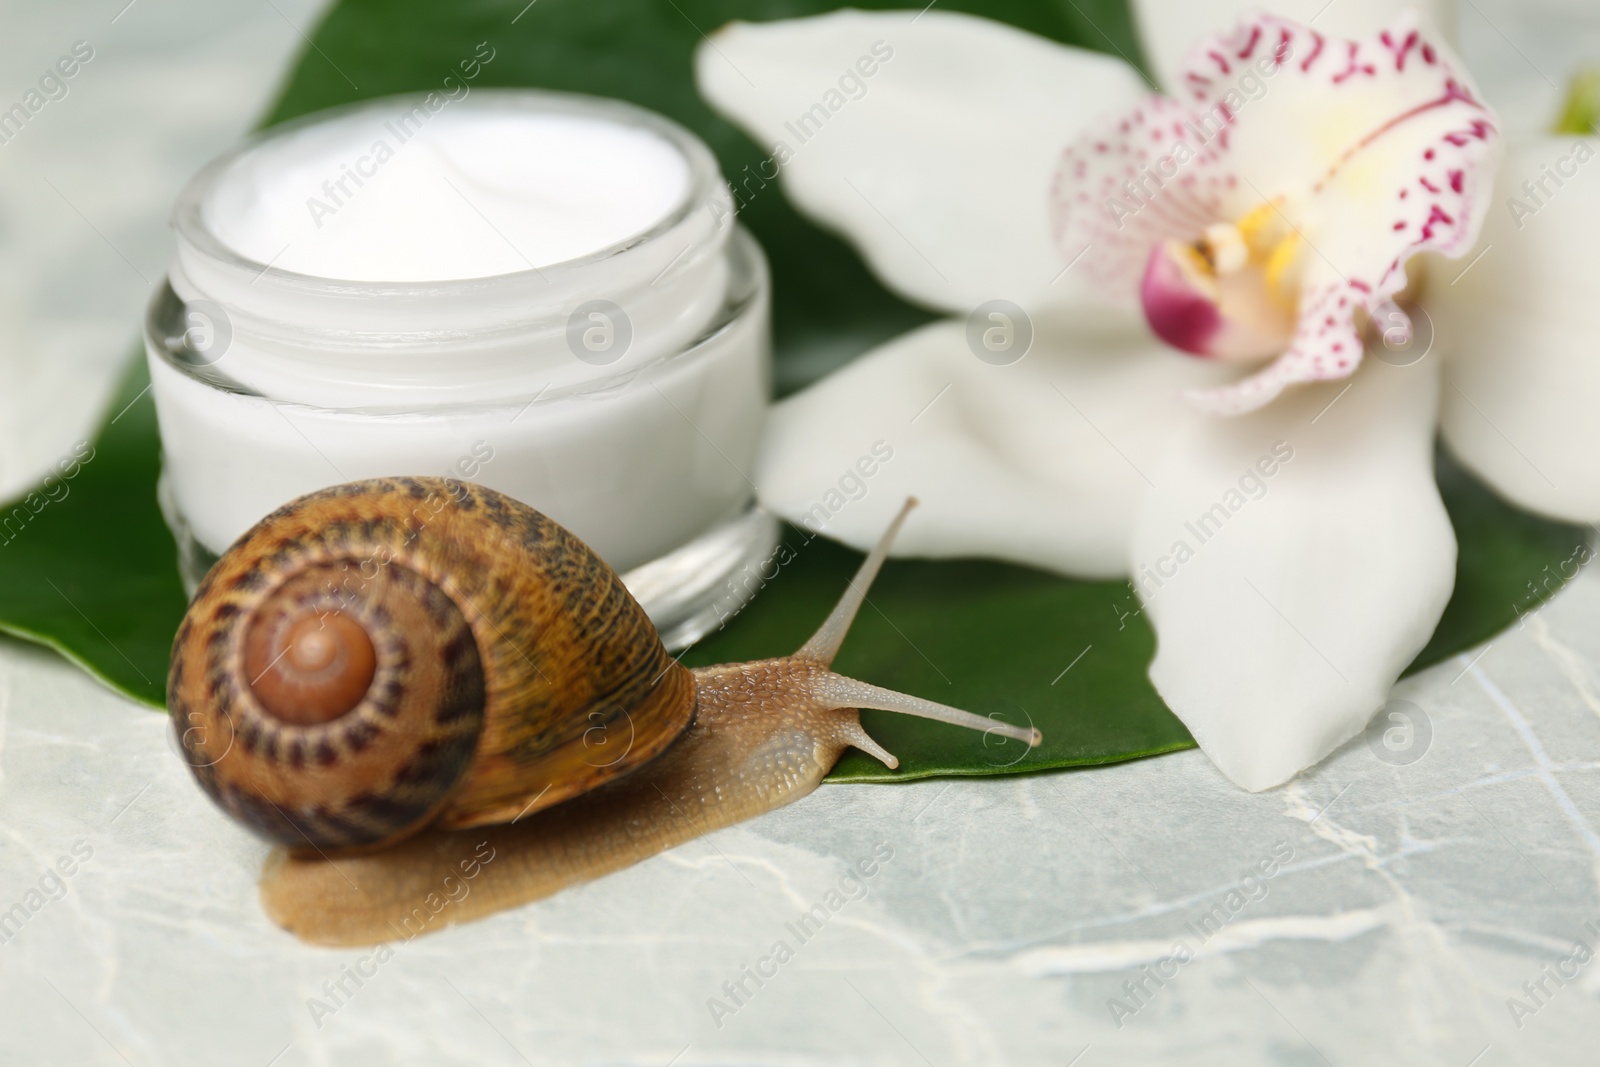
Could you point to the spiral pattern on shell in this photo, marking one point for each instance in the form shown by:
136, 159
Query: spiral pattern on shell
387, 654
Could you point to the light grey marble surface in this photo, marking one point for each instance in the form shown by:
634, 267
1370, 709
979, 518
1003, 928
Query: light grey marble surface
1412, 901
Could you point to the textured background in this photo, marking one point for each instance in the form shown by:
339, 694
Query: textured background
1418, 899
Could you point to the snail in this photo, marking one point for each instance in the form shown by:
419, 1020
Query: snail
441, 704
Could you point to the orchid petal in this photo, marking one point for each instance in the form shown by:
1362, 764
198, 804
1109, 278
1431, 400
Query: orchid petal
1293, 561
1523, 375
938, 163
1343, 159
1037, 462
1168, 28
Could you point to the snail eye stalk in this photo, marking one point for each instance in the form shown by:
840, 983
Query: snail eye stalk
835, 690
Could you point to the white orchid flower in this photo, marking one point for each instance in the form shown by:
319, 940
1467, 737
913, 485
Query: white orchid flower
1273, 501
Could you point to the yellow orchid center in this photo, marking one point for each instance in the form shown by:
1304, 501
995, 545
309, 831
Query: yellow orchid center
1232, 292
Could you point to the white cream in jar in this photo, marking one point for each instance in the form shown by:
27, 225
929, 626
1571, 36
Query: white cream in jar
539, 292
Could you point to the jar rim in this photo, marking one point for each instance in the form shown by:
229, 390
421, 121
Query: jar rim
189, 223
745, 295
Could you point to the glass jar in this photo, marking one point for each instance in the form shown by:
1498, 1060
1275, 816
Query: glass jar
621, 393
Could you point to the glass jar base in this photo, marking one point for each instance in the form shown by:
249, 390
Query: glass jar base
693, 590
688, 593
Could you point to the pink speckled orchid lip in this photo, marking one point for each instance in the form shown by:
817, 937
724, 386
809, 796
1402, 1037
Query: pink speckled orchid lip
1283, 195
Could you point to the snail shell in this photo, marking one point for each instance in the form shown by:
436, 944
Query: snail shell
384, 655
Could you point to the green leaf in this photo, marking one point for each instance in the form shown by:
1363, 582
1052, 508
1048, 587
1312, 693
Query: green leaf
1068, 657
93, 574
1508, 563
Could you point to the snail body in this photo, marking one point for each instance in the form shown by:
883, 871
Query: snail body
394, 689
732, 764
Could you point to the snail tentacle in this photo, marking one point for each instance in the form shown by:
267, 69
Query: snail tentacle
824, 644
837, 691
